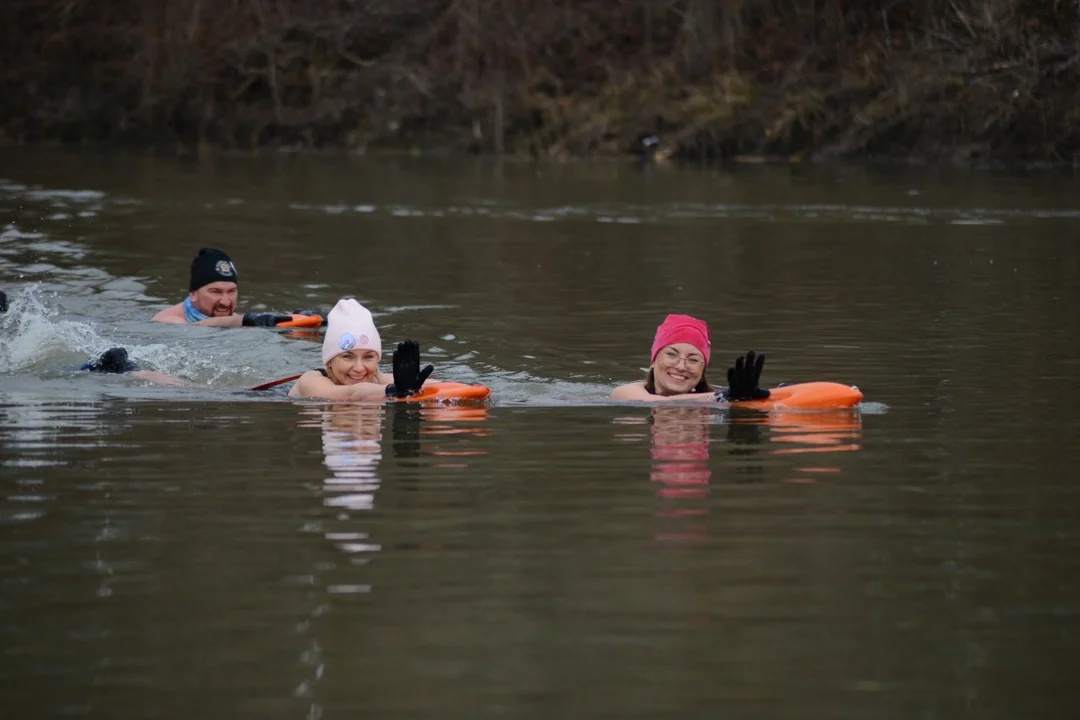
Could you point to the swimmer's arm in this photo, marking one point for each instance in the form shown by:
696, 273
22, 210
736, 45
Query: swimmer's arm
637, 391
160, 378
225, 321
313, 385
175, 315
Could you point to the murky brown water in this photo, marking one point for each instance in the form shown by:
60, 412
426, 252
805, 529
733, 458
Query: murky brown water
173, 553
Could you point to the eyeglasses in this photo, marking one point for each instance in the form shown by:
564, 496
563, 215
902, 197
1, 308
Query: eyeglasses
671, 358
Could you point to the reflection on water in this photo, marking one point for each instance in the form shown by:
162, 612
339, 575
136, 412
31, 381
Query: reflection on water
354, 439
176, 554
683, 451
808, 432
467, 423
351, 440
679, 443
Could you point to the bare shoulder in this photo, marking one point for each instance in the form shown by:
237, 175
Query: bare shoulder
174, 314
309, 384
631, 391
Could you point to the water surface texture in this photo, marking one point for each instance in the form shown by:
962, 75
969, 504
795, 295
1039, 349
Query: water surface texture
201, 551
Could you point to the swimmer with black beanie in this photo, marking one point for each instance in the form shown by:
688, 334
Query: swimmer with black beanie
212, 297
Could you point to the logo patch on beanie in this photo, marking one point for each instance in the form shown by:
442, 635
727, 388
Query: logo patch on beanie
226, 268
364, 340
346, 341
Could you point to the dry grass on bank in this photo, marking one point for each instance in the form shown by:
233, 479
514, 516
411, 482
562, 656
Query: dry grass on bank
822, 78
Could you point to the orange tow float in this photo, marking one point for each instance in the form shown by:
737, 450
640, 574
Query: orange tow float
806, 396
434, 392
302, 321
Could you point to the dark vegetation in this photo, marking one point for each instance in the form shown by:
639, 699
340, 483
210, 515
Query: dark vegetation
551, 78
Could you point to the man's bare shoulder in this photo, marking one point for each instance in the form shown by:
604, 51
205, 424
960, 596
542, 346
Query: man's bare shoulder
174, 314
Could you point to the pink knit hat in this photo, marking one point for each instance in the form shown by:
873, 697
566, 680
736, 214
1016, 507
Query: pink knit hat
682, 329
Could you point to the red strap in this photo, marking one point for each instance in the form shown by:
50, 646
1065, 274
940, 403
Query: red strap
273, 383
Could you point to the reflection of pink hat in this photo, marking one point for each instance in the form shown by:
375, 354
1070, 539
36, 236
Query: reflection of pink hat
682, 329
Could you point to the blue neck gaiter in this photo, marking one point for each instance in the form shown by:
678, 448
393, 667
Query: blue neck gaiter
191, 314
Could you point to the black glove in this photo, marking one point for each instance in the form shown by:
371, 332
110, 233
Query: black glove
743, 380
3, 301
264, 319
113, 360
408, 377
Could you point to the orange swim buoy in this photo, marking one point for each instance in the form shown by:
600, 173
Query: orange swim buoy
806, 396
302, 321
433, 392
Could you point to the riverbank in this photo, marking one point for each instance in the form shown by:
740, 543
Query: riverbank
977, 80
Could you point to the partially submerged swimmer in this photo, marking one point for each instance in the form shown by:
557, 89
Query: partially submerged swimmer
116, 361
351, 352
213, 297
680, 356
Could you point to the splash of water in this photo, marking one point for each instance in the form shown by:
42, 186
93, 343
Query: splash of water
33, 337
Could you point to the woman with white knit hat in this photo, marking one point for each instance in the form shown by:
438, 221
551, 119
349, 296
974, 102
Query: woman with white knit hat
351, 352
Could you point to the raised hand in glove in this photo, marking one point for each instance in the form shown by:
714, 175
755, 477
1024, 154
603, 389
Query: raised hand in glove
264, 319
743, 380
408, 377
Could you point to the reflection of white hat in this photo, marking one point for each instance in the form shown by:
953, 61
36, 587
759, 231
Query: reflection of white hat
349, 327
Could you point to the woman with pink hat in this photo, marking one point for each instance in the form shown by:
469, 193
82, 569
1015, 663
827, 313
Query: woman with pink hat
677, 368
351, 352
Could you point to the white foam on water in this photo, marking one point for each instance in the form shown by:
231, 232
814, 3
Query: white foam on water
81, 196
11, 233
31, 334
61, 247
35, 339
36, 268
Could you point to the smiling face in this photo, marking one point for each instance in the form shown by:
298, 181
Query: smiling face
354, 366
678, 369
218, 299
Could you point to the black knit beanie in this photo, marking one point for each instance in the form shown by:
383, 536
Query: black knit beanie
210, 266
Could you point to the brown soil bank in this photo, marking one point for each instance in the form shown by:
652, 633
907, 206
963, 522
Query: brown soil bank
994, 79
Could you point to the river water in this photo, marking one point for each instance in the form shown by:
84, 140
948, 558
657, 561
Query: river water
204, 551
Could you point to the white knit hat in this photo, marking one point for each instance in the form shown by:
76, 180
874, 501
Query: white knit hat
349, 327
